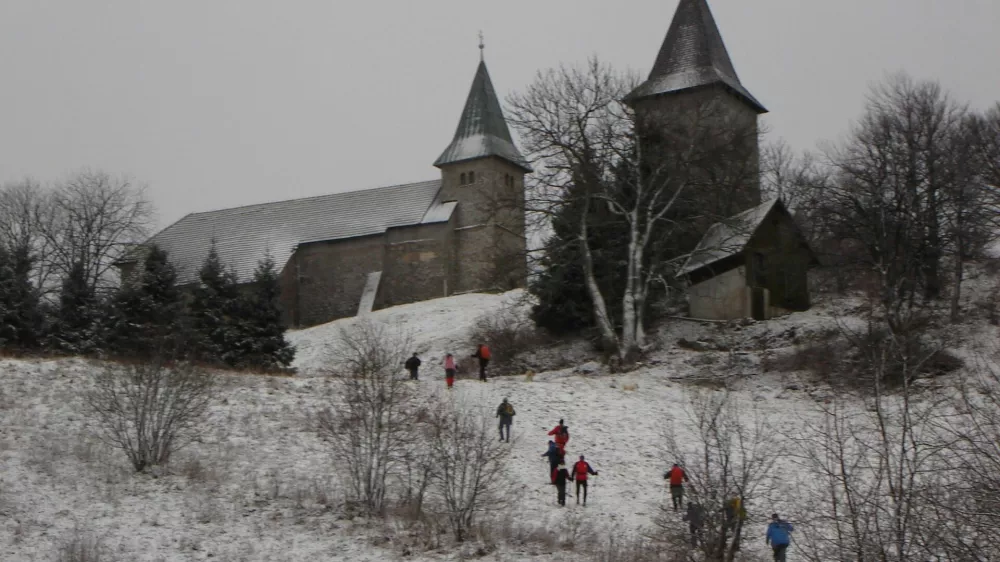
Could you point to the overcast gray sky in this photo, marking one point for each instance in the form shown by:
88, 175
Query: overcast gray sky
219, 103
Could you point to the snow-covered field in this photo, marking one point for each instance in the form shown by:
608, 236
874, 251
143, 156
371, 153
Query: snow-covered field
261, 486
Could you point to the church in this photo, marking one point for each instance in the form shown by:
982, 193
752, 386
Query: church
349, 253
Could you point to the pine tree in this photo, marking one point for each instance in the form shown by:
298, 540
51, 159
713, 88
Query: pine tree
21, 318
148, 310
263, 343
214, 312
76, 328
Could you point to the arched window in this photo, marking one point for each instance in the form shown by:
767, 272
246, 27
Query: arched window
463, 179
472, 177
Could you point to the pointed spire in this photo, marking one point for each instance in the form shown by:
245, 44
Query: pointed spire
482, 130
693, 55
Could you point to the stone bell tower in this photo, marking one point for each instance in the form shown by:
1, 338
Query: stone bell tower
484, 172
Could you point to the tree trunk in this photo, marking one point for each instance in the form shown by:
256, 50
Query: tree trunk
604, 325
956, 292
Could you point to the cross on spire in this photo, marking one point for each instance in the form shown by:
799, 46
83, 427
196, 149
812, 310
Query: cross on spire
482, 47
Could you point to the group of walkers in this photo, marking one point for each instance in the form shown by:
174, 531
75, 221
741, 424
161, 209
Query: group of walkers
734, 513
559, 475
779, 531
450, 368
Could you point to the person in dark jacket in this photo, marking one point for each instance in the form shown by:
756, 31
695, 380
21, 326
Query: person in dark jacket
483, 354
413, 366
506, 413
779, 536
695, 518
555, 457
677, 478
562, 476
580, 471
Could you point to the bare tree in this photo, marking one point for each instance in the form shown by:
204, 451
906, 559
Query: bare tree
92, 219
901, 191
369, 421
585, 144
150, 410
469, 464
22, 205
728, 450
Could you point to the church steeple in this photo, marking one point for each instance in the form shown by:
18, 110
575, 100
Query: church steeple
482, 131
692, 56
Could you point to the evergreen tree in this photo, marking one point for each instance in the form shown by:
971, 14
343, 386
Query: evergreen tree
263, 343
215, 312
148, 310
76, 328
20, 306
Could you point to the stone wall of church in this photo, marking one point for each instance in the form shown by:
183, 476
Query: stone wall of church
323, 281
490, 246
418, 264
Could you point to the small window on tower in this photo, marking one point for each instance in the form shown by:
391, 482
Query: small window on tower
463, 179
472, 177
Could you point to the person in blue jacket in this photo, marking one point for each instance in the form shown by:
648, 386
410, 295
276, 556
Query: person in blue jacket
779, 536
555, 457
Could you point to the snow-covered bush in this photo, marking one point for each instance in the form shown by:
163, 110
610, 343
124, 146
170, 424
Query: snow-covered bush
368, 424
508, 332
468, 464
150, 410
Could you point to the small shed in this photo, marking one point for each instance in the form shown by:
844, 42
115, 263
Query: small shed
754, 264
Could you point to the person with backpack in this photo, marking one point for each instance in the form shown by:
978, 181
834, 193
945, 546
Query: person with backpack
695, 518
449, 370
561, 435
560, 478
677, 478
413, 366
483, 354
555, 457
506, 413
580, 471
735, 514
779, 536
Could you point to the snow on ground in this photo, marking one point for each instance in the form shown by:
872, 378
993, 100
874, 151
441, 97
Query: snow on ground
436, 327
261, 487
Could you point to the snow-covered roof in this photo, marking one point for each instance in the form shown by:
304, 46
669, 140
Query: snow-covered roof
727, 238
482, 130
693, 55
243, 235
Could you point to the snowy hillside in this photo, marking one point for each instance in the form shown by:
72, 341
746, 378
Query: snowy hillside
261, 486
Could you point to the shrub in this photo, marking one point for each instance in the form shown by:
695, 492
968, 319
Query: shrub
149, 410
82, 548
508, 334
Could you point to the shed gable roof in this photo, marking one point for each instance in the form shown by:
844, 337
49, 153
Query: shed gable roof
244, 235
729, 237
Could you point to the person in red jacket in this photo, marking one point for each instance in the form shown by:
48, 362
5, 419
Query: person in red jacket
580, 471
677, 478
560, 434
483, 354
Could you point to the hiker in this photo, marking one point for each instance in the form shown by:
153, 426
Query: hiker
695, 518
449, 369
735, 515
483, 354
413, 366
677, 478
506, 413
555, 457
779, 537
561, 477
580, 471
561, 433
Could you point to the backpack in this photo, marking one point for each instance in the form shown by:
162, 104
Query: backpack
484, 352
508, 409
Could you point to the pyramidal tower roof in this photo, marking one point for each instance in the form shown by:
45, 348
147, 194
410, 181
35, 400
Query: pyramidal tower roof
482, 130
693, 55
